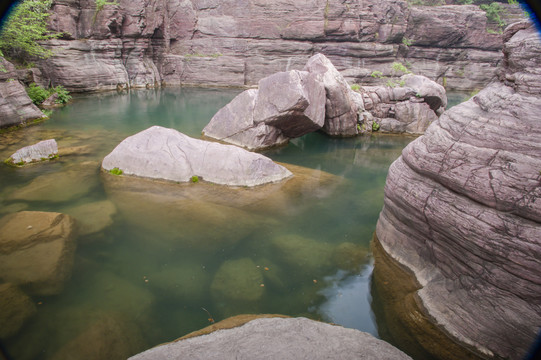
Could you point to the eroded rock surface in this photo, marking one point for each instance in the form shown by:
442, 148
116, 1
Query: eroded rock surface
279, 338
15, 309
37, 250
231, 43
462, 212
15, 105
167, 154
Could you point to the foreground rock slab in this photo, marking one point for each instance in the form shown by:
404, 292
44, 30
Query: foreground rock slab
161, 153
278, 338
37, 250
462, 210
42, 151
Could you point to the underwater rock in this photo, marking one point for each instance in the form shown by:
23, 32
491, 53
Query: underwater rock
286, 105
303, 253
350, 256
161, 153
15, 309
43, 151
238, 280
462, 211
110, 336
92, 217
278, 338
187, 281
37, 250
75, 182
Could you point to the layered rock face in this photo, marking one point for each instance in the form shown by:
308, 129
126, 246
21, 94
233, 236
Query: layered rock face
462, 210
153, 42
15, 105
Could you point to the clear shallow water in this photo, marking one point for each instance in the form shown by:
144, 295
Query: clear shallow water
173, 256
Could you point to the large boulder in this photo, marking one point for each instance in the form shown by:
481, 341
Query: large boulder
278, 338
239, 280
286, 105
340, 106
462, 212
161, 153
37, 250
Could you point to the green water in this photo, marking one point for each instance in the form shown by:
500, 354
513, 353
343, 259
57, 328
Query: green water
166, 258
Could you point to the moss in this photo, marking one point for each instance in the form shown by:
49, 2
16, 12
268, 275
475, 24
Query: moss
194, 179
116, 171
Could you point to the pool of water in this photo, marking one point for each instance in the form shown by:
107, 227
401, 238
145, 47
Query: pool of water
165, 259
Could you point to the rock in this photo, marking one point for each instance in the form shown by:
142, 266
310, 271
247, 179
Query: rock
188, 282
92, 217
286, 105
37, 250
292, 102
461, 212
42, 151
278, 338
432, 93
15, 309
161, 153
66, 185
301, 252
340, 108
51, 102
134, 44
238, 280
15, 106
108, 337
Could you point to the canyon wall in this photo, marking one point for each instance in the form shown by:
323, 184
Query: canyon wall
149, 43
462, 210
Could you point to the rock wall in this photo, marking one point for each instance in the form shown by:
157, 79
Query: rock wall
15, 105
462, 210
236, 43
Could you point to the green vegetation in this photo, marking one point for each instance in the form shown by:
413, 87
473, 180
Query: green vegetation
377, 74
194, 179
24, 28
399, 67
101, 3
38, 94
116, 171
494, 10
375, 126
407, 42
355, 87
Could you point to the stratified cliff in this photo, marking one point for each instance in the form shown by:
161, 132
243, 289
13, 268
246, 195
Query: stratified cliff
463, 210
235, 43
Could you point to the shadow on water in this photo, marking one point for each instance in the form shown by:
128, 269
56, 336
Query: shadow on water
157, 260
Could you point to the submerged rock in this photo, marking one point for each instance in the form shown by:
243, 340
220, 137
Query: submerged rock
238, 280
278, 338
15, 309
37, 250
462, 212
92, 217
167, 154
42, 151
300, 252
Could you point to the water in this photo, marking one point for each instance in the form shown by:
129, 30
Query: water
159, 260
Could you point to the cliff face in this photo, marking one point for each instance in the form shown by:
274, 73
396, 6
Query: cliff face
463, 212
236, 43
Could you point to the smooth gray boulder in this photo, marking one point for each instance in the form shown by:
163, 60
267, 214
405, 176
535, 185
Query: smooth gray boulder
462, 210
161, 153
42, 151
278, 338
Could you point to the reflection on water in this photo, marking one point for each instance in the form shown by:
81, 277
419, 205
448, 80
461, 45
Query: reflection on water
155, 260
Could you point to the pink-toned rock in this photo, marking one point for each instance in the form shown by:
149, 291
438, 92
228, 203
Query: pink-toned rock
462, 210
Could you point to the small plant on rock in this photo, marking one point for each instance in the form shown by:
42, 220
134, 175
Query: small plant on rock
375, 126
355, 87
377, 74
194, 179
116, 171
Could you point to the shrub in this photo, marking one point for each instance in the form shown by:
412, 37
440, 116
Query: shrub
63, 95
375, 126
37, 94
377, 74
397, 66
355, 87
116, 171
493, 12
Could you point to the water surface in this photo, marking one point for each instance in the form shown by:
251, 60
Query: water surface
167, 259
